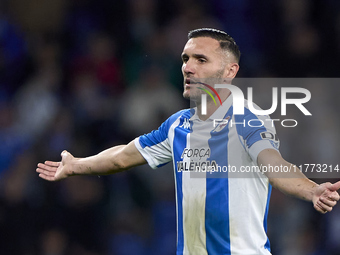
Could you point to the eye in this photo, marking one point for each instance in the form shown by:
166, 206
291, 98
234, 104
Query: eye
185, 59
202, 60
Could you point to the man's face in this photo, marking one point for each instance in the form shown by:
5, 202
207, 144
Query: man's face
202, 58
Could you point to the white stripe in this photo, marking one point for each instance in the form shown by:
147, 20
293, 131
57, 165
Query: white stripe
171, 135
194, 197
157, 154
246, 203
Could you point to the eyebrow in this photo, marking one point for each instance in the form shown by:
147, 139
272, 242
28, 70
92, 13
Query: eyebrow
195, 56
184, 55
200, 56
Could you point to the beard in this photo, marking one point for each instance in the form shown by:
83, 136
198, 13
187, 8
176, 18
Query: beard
198, 85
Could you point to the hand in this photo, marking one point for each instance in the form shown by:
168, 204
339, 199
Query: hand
55, 171
326, 196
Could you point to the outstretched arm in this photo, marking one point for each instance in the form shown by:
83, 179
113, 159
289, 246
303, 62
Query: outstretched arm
323, 196
115, 159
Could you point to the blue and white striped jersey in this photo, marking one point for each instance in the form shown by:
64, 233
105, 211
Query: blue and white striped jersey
220, 210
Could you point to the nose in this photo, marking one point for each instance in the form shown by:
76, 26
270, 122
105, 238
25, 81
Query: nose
187, 68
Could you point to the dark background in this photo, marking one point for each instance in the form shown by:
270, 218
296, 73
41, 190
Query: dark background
85, 75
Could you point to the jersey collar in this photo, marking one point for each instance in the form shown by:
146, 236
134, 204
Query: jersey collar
218, 114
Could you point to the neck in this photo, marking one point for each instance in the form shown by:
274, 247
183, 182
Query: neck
211, 107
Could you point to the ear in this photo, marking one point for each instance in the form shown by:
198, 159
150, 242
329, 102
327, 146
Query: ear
231, 70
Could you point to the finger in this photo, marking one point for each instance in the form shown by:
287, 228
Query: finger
45, 172
334, 196
47, 177
319, 209
64, 153
335, 186
324, 207
48, 167
52, 163
327, 201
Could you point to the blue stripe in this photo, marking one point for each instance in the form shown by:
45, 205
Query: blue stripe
249, 134
217, 197
267, 245
161, 134
179, 143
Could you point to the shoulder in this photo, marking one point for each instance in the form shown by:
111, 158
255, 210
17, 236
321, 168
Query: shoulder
185, 113
162, 133
253, 120
182, 114
253, 111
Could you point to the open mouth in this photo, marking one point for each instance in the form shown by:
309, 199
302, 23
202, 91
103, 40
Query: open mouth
190, 81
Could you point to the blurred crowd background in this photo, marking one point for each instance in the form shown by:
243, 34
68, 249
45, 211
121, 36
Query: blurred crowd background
85, 75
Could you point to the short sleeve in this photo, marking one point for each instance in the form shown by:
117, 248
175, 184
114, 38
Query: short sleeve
157, 154
155, 146
257, 133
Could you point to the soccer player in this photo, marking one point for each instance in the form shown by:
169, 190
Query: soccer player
216, 213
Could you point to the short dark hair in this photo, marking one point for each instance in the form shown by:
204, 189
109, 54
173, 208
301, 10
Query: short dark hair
226, 41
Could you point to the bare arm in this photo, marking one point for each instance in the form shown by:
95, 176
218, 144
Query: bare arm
323, 196
115, 159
